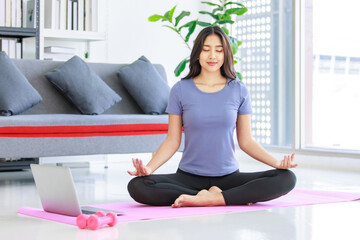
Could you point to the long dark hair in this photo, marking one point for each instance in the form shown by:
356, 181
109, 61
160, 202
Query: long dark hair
227, 69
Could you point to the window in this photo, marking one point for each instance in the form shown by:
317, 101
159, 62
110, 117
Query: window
267, 68
331, 74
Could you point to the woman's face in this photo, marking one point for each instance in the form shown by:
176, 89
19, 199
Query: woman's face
211, 57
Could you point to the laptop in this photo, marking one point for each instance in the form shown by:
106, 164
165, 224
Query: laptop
57, 192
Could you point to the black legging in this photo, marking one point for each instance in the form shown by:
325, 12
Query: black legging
238, 188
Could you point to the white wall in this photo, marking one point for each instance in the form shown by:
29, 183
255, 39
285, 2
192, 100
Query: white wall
131, 35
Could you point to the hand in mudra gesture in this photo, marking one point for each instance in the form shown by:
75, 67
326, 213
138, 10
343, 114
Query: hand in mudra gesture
287, 162
140, 169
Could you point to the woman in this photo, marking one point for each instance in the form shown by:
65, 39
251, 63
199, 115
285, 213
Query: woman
210, 103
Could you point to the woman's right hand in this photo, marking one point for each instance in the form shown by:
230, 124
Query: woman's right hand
140, 169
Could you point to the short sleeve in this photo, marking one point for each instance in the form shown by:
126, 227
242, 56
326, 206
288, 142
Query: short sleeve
245, 101
174, 104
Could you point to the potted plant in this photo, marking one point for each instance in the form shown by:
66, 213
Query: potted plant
221, 14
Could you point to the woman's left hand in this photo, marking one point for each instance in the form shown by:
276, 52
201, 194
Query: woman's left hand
287, 162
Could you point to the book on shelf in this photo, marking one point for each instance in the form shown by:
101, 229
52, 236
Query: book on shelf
78, 15
51, 14
63, 13
18, 13
94, 15
90, 15
87, 15
11, 13
11, 47
23, 13
68, 14
58, 53
18, 50
4, 45
58, 56
59, 49
2, 13
74, 25
7, 13
57, 14
30, 14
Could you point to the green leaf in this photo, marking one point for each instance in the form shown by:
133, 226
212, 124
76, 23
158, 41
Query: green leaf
239, 76
225, 21
171, 13
225, 30
235, 41
181, 66
191, 30
234, 48
181, 16
203, 24
237, 11
166, 15
211, 4
239, 4
224, 17
238, 59
156, 17
216, 17
187, 24
234, 44
171, 28
219, 9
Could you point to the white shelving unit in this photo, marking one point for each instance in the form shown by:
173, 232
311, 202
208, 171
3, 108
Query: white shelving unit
73, 35
47, 35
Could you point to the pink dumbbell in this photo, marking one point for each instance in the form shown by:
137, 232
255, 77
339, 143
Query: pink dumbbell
81, 220
94, 222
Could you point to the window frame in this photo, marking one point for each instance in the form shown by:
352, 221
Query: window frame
298, 92
299, 131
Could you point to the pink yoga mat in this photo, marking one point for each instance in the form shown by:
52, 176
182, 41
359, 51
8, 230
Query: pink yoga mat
137, 212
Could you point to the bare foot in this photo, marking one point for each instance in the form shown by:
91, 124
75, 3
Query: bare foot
215, 189
204, 198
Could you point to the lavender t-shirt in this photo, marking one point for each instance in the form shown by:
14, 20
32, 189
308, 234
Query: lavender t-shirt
209, 120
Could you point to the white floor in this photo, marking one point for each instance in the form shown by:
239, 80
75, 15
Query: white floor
97, 185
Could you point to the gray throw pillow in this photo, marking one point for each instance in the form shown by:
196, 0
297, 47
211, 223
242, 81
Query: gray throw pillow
145, 85
16, 93
82, 87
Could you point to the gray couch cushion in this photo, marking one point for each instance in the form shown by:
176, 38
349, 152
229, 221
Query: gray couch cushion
82, 87
53, 102
16, 93
145, 85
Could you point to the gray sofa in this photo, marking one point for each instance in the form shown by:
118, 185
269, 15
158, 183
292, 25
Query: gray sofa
55, 112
